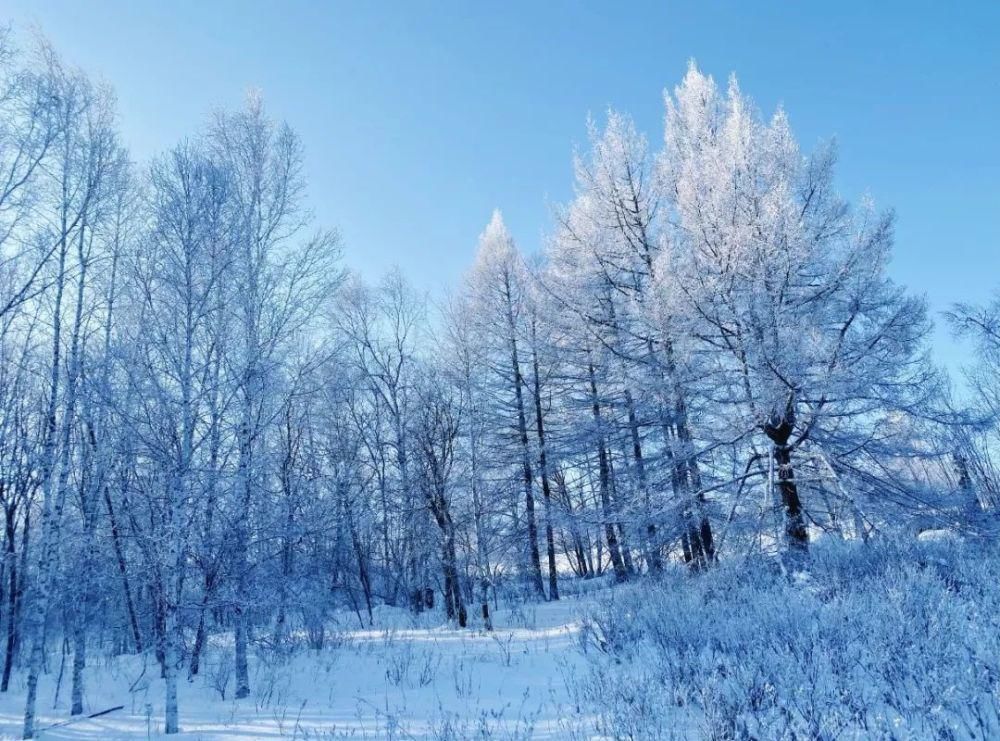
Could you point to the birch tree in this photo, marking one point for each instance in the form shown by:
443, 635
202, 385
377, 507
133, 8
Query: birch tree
84, 157
176, 292
281, 277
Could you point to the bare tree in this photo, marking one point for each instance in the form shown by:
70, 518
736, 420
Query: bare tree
279, 282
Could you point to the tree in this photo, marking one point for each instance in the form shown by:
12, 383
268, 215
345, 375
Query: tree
437, 429
603, 268
498, 283
280, 281
783, 286
463, 347
382, 329
175, 294
85, 155
975, 444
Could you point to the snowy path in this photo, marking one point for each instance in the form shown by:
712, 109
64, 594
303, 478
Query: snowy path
407, 683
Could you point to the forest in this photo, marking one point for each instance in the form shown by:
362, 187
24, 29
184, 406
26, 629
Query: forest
698, 426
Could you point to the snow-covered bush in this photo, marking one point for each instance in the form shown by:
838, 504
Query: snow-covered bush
877, 641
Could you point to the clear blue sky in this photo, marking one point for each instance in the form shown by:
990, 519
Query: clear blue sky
420, 118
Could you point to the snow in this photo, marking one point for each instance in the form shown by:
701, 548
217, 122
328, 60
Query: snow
405, 680
938, 534
877, 639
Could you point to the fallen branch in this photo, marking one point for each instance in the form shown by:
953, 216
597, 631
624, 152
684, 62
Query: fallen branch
82, 717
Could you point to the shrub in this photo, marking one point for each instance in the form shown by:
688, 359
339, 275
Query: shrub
879, 640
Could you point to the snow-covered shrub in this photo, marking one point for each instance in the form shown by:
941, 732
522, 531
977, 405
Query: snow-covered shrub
399, 656
503, 643
876, 641
523, 615
428, 666
220, 673
486, 725
465, 679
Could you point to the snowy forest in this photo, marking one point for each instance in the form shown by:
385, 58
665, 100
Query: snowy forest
687, 468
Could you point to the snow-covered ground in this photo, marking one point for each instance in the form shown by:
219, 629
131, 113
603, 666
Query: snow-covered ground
886, 639
415, 680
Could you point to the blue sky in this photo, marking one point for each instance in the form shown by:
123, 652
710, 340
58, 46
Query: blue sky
419, 118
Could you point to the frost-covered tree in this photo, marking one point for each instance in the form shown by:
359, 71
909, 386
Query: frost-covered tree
498, 284
381, 329
281, 275
975, 456
212, 443
805, 340
175, 293
603, 268
436, 432
80, 177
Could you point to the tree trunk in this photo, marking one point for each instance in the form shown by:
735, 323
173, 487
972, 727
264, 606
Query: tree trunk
200, 634
14, 588
123, 571
458, 601
550, 541
653, 556
485, 600
534, 560
171, 662
242, 669
53, 488
604, 475
779, 429
242, 537
79, 662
